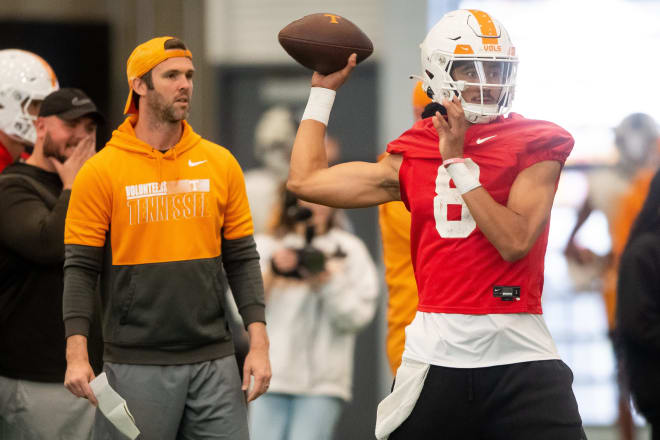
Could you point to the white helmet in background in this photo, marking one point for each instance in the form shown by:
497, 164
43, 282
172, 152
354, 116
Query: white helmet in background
636, 138
472, 39
273, 139
24, 77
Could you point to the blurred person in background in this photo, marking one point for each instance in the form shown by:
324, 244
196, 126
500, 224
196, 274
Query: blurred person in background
321, 289
394, 221
273, 138
274, 135
638, 310
161, 214
618, 192
420, 101
25, 80
34, 197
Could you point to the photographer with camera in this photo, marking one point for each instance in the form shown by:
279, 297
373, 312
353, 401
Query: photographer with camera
321, 289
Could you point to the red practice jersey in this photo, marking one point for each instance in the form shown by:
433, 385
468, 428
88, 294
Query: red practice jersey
456, 267
5, 158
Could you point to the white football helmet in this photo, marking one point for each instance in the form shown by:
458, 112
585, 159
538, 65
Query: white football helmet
273, 140
24, 77
470, 53
636, 138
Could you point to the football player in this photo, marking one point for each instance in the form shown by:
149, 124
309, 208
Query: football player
479, 361
25, 80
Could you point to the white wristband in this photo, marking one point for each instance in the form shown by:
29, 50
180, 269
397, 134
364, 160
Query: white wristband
463, 179
319, 105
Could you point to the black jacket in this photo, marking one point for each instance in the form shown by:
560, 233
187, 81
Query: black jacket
32, 344
638, 320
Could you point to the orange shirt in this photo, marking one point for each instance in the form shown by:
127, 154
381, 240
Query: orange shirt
628, 208
178, 210
394, 222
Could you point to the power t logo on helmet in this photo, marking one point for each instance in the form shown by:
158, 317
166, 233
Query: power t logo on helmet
25, 80
469, 54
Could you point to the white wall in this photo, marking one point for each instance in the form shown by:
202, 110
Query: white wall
245, 31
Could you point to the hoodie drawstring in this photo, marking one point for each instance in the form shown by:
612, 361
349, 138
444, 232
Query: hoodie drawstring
160, 157
159, 164
124, 138
176, 164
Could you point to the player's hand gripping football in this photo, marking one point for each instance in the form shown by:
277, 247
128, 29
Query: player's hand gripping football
334, 80
452, 130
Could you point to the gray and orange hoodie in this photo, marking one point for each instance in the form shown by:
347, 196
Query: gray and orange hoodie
160, 228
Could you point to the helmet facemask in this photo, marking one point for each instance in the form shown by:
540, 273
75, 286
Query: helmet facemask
19, 122
484, 86
25, 78
468, 54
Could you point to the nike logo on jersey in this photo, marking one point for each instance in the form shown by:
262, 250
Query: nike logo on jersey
194, 164
482, 140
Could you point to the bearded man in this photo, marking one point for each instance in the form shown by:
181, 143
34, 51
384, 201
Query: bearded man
159, 213
34, 198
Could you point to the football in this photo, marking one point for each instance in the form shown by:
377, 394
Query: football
323, 42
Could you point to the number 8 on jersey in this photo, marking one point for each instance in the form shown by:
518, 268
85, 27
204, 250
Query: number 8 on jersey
452, 216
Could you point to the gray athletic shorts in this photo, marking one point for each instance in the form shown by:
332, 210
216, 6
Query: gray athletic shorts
42, 411
194, 401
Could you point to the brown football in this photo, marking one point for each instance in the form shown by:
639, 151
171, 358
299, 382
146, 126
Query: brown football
324, 41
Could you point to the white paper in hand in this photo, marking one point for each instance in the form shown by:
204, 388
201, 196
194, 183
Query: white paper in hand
113, 407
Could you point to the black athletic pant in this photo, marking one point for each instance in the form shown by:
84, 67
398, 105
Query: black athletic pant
522, 401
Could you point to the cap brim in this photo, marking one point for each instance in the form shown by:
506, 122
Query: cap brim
76, 113
130, 105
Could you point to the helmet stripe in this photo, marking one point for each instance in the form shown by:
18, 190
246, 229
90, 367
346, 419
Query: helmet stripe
487, 26
51, 73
